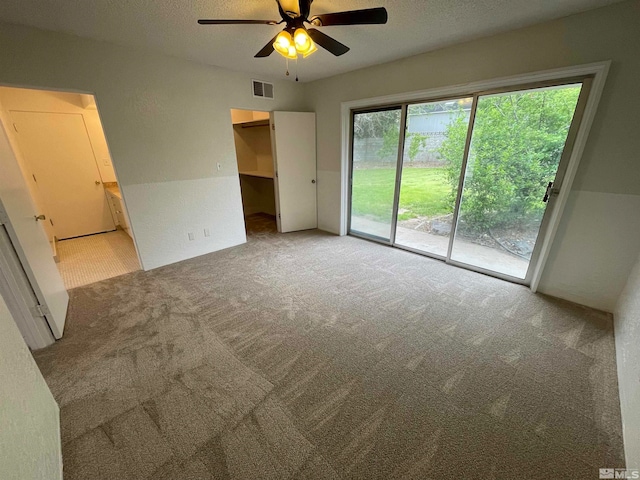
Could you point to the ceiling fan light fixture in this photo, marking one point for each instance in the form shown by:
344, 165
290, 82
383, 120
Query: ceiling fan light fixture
283, 44
295, 39
304, 44
311, 49
302, 40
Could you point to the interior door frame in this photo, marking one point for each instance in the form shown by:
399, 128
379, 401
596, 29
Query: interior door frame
598, 72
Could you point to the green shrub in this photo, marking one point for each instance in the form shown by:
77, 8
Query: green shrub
516, 146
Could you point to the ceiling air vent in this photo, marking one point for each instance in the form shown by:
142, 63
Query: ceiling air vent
262, 89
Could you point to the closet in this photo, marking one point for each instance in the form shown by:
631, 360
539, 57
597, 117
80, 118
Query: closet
255, 161
276, 154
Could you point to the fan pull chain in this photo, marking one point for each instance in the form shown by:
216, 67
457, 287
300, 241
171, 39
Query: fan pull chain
287, 60
296, 68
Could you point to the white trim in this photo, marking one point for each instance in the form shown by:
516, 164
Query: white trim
599, 70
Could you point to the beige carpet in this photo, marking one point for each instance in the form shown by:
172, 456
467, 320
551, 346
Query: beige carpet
311, 356
93, 258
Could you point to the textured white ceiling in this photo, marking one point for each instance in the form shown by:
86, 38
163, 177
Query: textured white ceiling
169, 26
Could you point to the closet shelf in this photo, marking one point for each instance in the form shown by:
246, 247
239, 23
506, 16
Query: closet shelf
256, 173
254, 123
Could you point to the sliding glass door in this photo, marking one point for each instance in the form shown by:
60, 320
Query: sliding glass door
375, 147
517, 142
433, 152
465, 179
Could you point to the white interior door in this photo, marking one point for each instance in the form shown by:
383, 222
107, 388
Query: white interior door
57, 149
294, 147
17, 213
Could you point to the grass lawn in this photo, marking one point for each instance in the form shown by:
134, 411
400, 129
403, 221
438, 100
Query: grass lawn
423, 193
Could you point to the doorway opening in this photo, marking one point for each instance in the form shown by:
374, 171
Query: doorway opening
62, 152
254, 153
467, 179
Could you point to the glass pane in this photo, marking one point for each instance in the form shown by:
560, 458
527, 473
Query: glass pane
517, 142
375, 156
433, 152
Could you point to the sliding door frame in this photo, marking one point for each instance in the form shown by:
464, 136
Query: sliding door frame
399, 162
357, 233
585, 87
463, 169
592, 77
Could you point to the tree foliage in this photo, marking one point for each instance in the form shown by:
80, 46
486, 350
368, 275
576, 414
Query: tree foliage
375, 124
516, 145
417, 142
390, 139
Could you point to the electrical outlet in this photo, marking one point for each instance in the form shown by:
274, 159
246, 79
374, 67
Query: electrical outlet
207, 232
191, 236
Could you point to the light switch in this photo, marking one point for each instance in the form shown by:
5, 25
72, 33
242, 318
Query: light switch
207, 232
191, 236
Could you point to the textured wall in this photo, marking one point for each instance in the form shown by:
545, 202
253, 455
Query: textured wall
29, 416
627, 329
590, 257
167, 122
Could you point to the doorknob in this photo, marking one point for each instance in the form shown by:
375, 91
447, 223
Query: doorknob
97, 182
39, 217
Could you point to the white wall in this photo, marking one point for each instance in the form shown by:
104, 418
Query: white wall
627, 328
598, 234
167, 122
29, 416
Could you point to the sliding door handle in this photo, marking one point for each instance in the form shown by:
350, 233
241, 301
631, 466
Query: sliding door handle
547, 193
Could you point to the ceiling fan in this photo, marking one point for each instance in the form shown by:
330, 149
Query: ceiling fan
296, 38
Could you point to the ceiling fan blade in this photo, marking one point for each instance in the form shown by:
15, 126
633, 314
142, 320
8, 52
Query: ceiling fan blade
267, 49
328, 43
236, 22
369, 16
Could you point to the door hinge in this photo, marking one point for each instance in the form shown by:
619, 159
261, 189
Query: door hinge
276, 174
279, 216
40, 310
273, 126
15, 127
